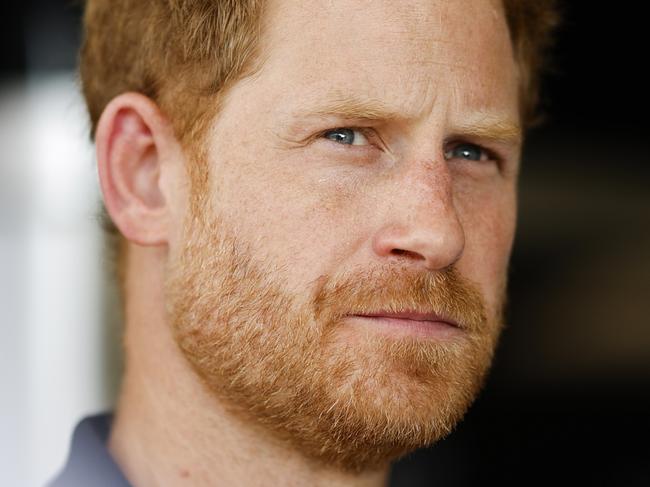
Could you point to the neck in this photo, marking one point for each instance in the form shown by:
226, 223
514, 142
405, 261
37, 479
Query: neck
171, 430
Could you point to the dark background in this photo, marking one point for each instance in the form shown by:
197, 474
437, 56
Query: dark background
568, 400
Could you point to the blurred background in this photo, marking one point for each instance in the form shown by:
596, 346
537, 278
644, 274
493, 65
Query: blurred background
568, 400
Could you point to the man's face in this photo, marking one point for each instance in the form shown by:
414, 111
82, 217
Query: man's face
369, 167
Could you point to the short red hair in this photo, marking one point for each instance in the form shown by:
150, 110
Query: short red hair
184, 54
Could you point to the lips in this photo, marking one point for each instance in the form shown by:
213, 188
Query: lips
413, 316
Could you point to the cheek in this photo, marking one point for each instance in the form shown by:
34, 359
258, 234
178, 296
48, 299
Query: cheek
488, 220
298, 219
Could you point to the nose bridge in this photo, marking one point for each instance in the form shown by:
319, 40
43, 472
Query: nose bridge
421, 222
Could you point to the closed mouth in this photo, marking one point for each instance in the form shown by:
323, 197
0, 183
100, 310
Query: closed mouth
413, 316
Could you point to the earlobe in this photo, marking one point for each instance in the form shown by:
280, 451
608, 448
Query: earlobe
134, 140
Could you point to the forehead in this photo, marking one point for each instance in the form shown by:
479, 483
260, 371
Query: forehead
414, 55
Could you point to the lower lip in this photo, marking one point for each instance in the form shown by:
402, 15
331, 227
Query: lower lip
440, 330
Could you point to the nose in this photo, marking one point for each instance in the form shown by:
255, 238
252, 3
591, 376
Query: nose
421, 224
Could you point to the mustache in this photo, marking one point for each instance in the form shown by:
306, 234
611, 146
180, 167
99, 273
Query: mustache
396, 289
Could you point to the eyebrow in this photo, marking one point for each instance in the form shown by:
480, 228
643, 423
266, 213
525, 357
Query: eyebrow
353, 108
488, 127
498, 130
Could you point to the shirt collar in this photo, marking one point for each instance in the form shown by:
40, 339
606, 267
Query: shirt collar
89, 461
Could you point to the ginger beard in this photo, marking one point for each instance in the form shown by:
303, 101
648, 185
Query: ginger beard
342, 395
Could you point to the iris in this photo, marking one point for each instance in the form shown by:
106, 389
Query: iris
342, 136
466, 151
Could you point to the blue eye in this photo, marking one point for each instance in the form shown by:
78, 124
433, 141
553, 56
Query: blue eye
346, 136
342, 136
470, 152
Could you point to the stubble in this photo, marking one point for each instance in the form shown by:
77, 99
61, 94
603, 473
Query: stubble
344, 396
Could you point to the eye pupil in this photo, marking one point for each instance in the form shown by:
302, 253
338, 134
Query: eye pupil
342, 136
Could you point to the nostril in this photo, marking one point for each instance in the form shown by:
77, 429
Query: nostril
406, 252
435, 245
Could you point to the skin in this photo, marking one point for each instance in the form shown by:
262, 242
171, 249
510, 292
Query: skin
401, 205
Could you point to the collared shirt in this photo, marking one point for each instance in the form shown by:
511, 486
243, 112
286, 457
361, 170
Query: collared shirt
89, 462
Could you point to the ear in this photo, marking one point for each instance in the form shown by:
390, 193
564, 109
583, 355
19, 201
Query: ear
135, 144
